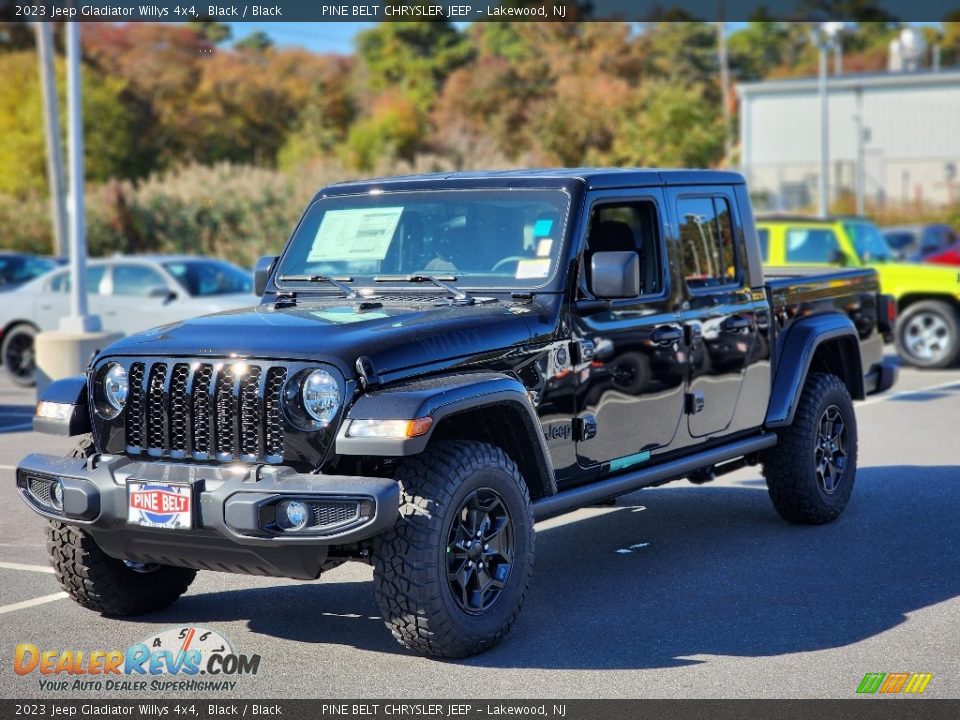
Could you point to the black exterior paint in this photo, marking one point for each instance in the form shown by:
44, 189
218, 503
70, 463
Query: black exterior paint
650, 354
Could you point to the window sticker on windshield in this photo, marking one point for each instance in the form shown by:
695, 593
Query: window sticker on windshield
542, 227
544, 247
533, 268
355, 234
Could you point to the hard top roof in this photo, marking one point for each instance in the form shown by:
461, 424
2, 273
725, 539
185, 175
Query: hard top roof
593, 178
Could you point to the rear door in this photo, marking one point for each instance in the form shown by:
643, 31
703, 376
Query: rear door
720, 313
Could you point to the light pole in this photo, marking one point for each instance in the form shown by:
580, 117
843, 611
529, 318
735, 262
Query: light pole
825, 36
78, 320
51, 117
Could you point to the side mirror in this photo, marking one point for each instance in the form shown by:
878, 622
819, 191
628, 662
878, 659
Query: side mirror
164, 294
838, 257
615, 274
261, 273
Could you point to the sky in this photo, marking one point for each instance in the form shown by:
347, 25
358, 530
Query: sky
319, 37
327, 37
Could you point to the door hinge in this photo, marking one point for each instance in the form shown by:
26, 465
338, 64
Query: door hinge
694, 402
584, 427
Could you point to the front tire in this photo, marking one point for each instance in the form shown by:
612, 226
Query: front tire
811, 470
452, 574
928, 335
102, 583
107, 585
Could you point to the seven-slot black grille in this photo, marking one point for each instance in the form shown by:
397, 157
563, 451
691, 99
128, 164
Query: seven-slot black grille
227, 411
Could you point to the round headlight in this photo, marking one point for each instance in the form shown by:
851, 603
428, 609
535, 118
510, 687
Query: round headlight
321, 396
115, 387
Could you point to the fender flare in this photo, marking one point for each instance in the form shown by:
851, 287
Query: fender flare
51, 416
797, 349
439, 398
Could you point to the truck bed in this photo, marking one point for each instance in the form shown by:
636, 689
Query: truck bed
797, 292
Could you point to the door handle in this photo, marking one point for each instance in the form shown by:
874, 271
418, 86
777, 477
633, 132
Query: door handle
735, 323
666, 335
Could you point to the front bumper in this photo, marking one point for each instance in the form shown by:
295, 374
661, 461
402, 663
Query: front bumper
233, 512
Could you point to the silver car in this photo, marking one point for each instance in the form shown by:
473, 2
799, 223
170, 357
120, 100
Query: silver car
129, 294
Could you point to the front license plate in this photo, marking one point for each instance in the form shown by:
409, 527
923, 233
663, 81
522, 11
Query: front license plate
160, 505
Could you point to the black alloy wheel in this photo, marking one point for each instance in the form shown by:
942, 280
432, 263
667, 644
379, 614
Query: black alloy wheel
479, 551
831, 449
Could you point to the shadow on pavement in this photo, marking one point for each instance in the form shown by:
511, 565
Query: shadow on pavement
722, 575
15, 418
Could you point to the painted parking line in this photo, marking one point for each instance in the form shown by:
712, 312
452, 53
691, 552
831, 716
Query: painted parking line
28, 568
906, 393
16, 428
31, 603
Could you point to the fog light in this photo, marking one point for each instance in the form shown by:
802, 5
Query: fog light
291, 515
56, 494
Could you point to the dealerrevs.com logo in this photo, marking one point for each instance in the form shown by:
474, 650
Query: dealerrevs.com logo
177, 659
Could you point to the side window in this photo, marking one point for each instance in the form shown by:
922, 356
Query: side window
707, 241
763, 235
60, 283
811, 245
628, 227
136, 280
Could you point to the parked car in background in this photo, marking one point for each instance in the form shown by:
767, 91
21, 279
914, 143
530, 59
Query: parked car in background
927, 331
129, 294
936, 243
19, 268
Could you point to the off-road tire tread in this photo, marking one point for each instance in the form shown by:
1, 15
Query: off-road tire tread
101, 583
409, 598
788, 465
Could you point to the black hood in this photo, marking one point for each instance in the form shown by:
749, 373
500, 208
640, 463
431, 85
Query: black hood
394, 336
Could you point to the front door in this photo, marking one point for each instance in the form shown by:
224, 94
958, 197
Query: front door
629, 353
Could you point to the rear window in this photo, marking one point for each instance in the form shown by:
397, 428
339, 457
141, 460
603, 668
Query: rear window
763, 235
811, 245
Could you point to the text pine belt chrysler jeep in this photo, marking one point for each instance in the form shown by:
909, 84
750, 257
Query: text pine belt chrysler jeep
436, 363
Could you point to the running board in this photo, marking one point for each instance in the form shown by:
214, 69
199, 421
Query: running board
578, 497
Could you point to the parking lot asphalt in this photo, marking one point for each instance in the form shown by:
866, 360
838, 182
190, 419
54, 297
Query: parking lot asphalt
677, 591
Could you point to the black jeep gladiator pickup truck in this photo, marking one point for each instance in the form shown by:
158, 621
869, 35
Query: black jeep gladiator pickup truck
436, 363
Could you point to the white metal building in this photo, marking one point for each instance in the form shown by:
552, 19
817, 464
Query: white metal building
910, 129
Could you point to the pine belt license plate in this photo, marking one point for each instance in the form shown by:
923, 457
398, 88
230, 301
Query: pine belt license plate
160, 505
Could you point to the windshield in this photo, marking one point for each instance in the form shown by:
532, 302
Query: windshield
481, 238
209, 277
869, 242
16, 269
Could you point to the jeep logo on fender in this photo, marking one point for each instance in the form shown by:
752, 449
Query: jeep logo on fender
558, 431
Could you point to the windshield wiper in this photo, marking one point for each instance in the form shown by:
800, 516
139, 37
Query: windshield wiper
458, 294
341, 285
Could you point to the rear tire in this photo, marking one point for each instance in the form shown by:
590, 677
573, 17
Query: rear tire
811, 470
18, 352
102, 583
928, 335
443, 589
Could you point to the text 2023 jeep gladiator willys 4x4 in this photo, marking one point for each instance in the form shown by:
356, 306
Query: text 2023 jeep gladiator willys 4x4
439, 361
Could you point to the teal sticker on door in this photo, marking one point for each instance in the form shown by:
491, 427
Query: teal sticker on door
629, 460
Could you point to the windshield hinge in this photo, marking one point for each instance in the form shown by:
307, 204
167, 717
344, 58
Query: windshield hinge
366, 373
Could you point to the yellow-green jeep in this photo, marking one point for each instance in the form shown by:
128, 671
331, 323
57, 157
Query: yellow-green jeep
927, 332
